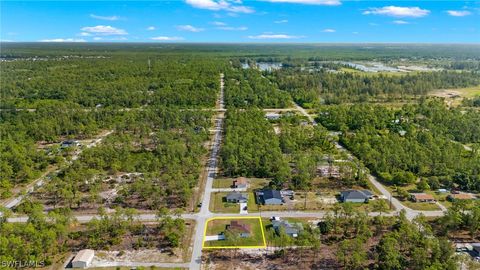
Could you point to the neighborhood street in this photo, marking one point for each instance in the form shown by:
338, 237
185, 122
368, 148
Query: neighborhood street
204, 214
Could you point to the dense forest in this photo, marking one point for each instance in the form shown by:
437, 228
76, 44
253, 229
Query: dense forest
248, 88
309, 89
251, 147
162, 145
46, 99
402, 145
120, 81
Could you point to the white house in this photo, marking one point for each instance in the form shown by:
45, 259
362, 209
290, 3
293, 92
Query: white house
83, 259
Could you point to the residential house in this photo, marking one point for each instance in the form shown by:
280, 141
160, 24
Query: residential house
422, 197
237, 197
356, 196
291, 229
243, 230
269, 197
83, 259
460, 196
240, 182
69, 143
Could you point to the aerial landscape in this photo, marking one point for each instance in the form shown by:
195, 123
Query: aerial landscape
228, 134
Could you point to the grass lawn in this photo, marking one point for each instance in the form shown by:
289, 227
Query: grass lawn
217, 226
421, 206
218, 204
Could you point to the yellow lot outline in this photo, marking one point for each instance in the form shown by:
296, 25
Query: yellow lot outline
222, 247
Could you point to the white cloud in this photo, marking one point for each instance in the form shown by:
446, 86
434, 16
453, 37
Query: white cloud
281, 21
110, 39
231, 6
189, 28
231, 28
218, 23
458, 13
63, 40
105, 18
165, 38
400, 22
104, 30
309, 2
84, 34
274, 36
151, 28
394, 11
329, 30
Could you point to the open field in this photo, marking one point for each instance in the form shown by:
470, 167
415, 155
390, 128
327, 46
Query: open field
453, 97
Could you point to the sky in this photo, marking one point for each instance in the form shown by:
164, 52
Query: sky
234, 21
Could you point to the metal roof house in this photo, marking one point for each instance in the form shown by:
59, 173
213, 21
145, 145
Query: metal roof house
291, 229
356, 196
269, 197
237, 197
83, 259
69, 143
422, 197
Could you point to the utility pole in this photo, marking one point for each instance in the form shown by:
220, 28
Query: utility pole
149, 65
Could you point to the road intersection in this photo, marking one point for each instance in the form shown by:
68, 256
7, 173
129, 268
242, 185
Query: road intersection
211, 171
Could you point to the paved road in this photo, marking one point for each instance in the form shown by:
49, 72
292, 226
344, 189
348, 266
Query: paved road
204, 213
410, 213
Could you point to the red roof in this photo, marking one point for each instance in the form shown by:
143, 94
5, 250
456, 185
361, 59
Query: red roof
423, 196
237, 226
240, 180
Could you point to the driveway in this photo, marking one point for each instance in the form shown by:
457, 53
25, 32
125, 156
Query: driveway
214, 237
243, 208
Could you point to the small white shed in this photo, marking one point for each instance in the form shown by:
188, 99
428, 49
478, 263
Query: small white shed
83, 259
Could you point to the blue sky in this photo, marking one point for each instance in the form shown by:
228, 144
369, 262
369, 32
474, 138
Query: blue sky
241, 21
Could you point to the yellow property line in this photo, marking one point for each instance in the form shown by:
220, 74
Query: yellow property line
222, 247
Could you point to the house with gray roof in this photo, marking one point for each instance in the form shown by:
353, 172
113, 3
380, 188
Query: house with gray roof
237, 197
269, 197
291, 229
356, 196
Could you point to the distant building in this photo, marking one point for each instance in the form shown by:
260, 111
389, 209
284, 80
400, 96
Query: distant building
83, 259
476, 248
69, 143
460, 196
272, 116
422, 197
269, 197
291, 229
237, 197
356, 196
240, 182
243, 230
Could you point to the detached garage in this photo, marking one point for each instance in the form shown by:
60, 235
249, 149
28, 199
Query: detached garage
83, 258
